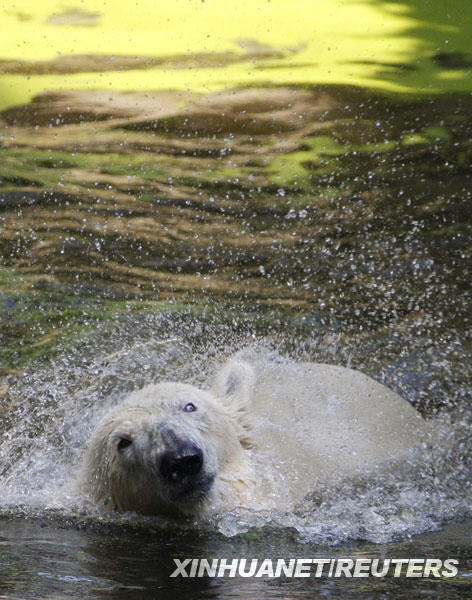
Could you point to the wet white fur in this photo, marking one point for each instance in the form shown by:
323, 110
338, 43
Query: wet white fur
269, 432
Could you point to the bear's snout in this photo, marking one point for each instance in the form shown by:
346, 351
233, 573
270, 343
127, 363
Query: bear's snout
184, 468
183, 461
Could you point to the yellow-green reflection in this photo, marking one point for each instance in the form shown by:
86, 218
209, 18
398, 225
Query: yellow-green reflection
412, 46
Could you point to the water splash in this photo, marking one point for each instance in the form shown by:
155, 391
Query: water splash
51, 412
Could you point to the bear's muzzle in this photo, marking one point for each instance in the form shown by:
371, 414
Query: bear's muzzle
181, 465
182, 462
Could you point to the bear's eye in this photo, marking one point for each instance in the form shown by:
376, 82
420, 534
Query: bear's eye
124, 443
190, 407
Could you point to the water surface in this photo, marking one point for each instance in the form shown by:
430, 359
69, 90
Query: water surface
144, 248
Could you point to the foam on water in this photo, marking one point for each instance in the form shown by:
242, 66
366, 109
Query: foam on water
50, 413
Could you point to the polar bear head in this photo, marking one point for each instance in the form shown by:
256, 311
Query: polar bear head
173, 449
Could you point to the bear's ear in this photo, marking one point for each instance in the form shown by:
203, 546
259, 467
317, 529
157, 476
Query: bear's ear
234, 385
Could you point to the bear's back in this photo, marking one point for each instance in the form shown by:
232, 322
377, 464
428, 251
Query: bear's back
316, 422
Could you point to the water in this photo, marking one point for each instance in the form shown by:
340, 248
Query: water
356, 252
55, 409
43, 560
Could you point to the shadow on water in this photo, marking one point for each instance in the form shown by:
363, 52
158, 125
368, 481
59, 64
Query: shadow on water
440, 57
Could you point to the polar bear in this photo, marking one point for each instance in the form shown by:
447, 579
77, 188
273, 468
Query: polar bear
262, 436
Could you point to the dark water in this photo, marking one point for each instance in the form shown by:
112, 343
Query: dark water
345, 239
41, 560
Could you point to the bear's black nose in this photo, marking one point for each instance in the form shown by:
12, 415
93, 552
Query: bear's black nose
181, 462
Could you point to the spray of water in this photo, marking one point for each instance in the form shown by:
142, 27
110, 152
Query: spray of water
50, 413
